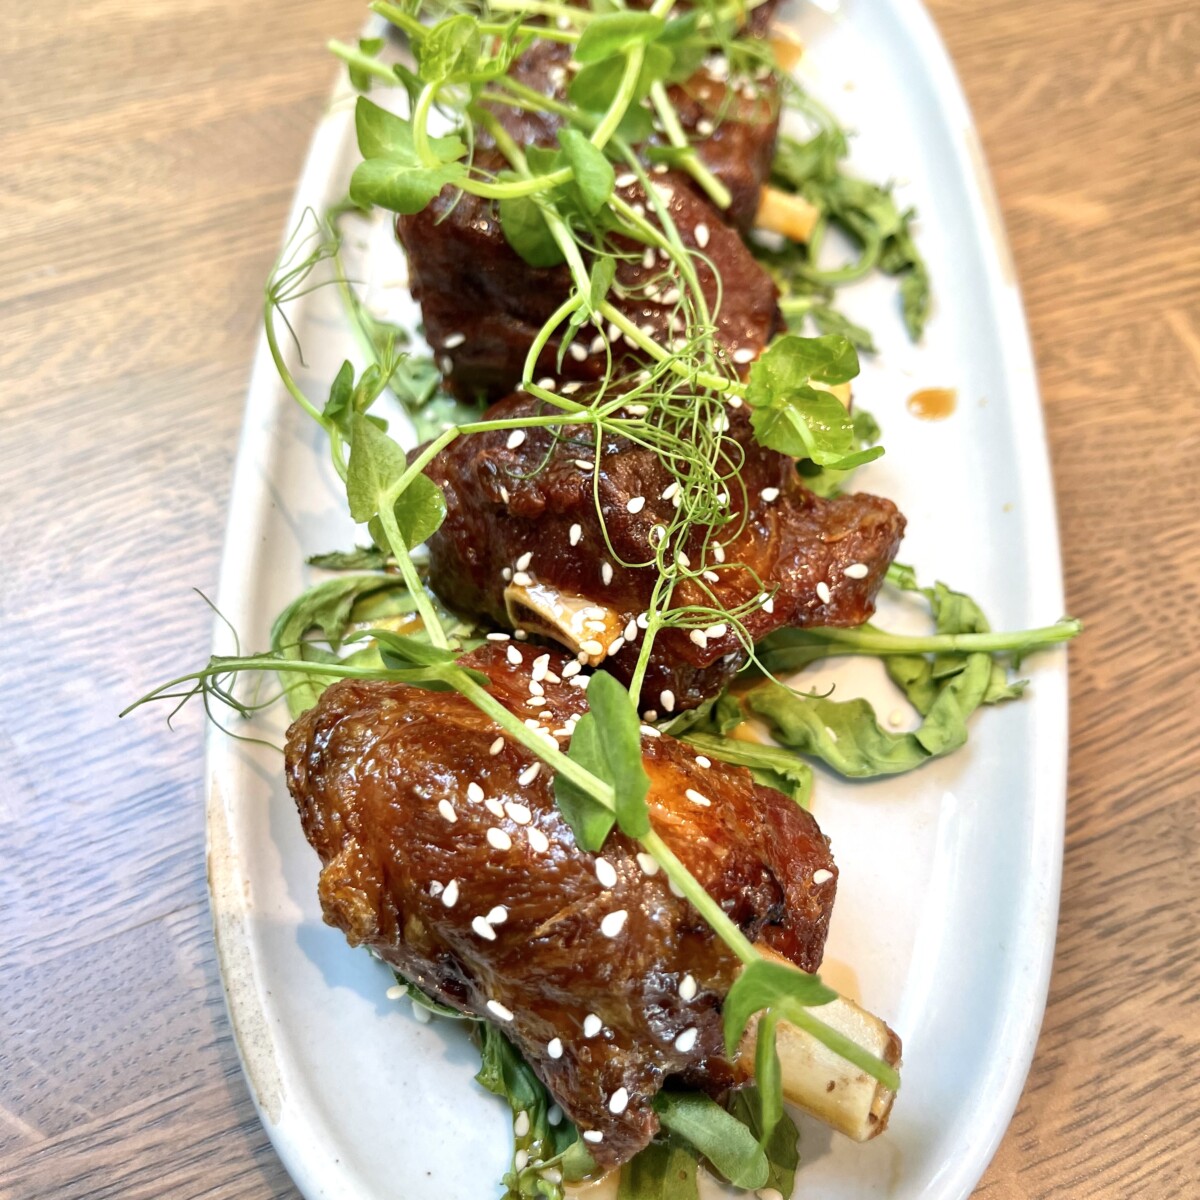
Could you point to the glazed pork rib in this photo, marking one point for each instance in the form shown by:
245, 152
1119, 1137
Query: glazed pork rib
465, 878
522, 536
483, 304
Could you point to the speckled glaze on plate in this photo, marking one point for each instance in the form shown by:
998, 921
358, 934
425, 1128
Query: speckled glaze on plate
949, 886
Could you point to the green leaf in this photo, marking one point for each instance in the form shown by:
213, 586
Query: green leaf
613, 34
337, 407
768, 1075
393, 175
720, 714
594, 174
827, 481
727, 1144
505, 1073
589, 820
361, 558
619, 735
603, 272
399, 186
664, 1170
763, 984
595, 86
771, 766
450, 48
527, 232
782, 1146
360, 80
376, 462
792, 361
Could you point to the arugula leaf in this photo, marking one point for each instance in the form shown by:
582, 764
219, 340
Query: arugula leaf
782, 1145
727, 1144
392, 174
613, 34
719, 714
361, 558
505, 1073
594, 174
333, 607
771, 766
664, 1170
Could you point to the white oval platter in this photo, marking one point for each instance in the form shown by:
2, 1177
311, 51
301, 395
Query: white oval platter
948, 898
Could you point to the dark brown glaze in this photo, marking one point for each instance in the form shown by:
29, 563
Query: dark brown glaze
732, 123
503, 503
368, 770
483, 304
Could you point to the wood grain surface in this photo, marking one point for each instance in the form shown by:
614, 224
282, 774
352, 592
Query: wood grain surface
149, 150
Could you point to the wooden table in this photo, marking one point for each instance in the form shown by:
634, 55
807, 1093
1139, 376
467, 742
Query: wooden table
149, 152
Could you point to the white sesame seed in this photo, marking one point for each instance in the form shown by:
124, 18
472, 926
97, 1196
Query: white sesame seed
606, 873
522, 579
702, 760
498, 839
704, 127
450, 895
474, 792
396, 992
648, 258
497, 637
618, 1101
506, 574
650, 731
651, 714
625, 180
593, 1135
822, 876
521, 1124
718, 630
592, 1025
447, 811
549, 383
697, 797
823, 592
498, 1010
494, 806
670, 490
647, 863
584, 464
687, 988
720, 424
514, 656
575, 534
523, 562
578, 351
743, 355
616, 645
606, 573
497, 916
530, 773
710, 577
857, 571
631, 630
535, 688
454, 341
718, 552
613, 923
667, 699
701, 233
483, 929
682, 559
769, 495
538, 840
554, 1048
554, 1115
572, 668
769, 604
515, 438
698, 637
591, 647
520, 634
676, 890
504, 493
635, 504
686, 1040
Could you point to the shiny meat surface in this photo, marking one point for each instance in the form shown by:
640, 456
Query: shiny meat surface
823, 560
461, 873
733, 124
483, 304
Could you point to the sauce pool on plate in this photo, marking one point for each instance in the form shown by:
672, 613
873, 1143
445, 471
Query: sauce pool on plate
933, 404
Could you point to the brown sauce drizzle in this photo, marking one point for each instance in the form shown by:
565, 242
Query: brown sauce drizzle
933, 404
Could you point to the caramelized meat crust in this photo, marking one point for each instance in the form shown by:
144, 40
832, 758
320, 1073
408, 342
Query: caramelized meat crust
506, 507
462, 874
483, 304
